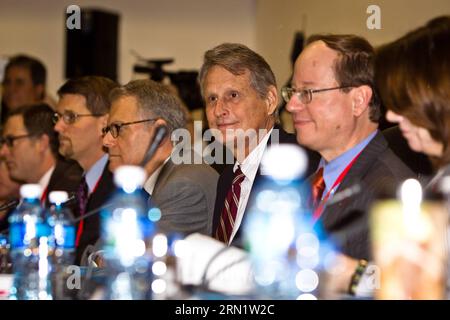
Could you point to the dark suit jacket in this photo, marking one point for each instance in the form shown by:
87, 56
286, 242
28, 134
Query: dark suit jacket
91, 228
66, 177
226, 178
378, 171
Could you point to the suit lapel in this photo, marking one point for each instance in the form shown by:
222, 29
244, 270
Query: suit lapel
163, 175
337, 212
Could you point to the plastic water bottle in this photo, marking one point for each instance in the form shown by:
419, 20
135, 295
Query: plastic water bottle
285, 247
60, 220
62, 242
29, 240
125, 229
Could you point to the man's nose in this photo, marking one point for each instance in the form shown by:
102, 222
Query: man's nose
108, 140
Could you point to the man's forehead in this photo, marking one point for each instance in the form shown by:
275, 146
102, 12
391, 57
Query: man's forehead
315, 64
72, 102
14, 124
123, 109
218, 76
317, 53
18, 71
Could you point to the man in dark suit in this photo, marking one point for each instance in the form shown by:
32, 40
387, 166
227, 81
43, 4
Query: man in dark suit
184, 191
336, 111
241, 98
30, 147
82, 112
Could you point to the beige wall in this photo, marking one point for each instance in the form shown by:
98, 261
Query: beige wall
154, 28
277, 21
184, 29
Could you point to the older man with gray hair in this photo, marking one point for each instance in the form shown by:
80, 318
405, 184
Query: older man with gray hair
184, 192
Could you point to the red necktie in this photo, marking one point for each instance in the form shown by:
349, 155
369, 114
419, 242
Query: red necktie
317, 187
229, 212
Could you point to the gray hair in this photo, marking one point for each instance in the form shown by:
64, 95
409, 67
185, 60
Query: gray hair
154, 100
237, 59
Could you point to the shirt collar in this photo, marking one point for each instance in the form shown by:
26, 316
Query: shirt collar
333, 169
250, 165
149, 185
93, 175
45, 179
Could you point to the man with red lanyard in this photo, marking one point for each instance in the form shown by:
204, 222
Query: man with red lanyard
30, 148
81, 114
335, 110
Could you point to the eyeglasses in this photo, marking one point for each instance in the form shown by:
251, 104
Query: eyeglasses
69, 117
304, 95
114, 128
9, 140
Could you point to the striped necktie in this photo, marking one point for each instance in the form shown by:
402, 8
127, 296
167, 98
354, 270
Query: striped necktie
317, 187
229, 211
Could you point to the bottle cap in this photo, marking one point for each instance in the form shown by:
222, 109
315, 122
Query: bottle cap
284, 162
58, 197
30, 191
129, 178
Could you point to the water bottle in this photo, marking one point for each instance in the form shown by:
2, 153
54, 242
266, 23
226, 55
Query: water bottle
62, 242
284, 245
4, 254
29, 240
125, 229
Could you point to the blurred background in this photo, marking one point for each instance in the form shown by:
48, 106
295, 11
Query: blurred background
184, 30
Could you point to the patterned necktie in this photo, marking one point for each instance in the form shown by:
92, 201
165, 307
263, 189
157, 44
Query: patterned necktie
82, 195
317, 187
229, 212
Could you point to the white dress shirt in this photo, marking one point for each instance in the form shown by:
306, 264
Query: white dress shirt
94, 174
249, 168
45, 179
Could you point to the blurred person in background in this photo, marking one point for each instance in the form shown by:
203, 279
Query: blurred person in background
413, 77
9, 189
24, 83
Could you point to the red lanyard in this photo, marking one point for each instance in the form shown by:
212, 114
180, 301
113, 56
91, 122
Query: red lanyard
319, 210
44, 197
96, 185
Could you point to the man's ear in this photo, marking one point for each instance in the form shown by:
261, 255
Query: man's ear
43, 143
39, 92
361, 97
272, 100
159, 123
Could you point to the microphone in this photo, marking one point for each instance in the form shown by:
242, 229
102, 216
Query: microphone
91, 213
160, 134
72, 198
10, 204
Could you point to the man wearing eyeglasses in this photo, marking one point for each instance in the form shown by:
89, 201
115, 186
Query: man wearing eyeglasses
336, 110
29, 147
241, 101
184, 192
81, 113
